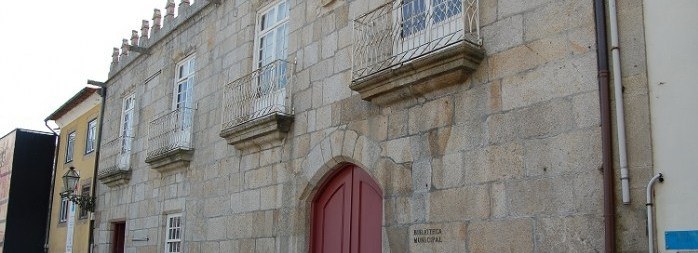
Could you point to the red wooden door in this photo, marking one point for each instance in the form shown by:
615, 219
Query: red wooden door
347, 214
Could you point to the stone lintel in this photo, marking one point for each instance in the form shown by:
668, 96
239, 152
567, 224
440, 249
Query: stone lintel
115, 177
171, 160
267, 130
417, 77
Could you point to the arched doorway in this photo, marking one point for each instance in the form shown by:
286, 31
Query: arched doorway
347, 214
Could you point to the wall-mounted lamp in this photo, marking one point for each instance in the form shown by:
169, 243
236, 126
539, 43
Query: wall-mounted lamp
70, 181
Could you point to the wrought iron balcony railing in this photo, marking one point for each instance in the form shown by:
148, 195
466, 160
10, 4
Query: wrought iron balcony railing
117, 155
170, 132
404, 30
262, 92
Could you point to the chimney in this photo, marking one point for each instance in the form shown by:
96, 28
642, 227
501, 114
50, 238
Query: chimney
124, 48
157, 20
134, 38
183, 6
170, 8
145, 27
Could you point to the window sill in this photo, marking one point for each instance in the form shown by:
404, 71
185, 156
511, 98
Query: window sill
440, 69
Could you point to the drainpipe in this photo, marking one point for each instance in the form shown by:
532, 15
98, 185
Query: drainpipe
53, 184
620, 111
650, 216
605, 111
102, 93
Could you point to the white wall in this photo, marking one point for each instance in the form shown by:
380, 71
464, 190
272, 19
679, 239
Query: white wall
672, 61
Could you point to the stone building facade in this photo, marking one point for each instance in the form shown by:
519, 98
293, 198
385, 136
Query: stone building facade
487, 139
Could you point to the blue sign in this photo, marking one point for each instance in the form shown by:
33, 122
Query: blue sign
681, 240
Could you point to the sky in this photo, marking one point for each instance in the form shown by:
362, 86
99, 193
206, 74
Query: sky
49, 48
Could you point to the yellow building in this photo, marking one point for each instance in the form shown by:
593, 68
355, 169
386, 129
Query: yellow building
78, 121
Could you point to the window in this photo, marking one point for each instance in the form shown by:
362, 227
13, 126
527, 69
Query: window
126, 132
69, 147
272, 34
420, 14
173, 234
63, 212
184, 83
85, 191
272, 45
91, 136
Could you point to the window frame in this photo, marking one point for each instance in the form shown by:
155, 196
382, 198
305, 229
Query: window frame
177, 231
260, 32
430, 19
63, 211
91, 136
85, 190
180, 78
70, 146
126, 131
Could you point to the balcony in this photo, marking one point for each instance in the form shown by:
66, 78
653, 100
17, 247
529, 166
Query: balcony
170, 140
256, 109
408, 48
115, 168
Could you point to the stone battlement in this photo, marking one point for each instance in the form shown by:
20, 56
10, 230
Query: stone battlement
152, 32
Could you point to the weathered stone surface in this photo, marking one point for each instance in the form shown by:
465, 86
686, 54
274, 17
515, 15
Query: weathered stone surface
494, 163
503, 34
555, 79
574, 193
398, 150
463, 203
547, 119
569, 234
216, 228
431, 115
556, 17
512, 235
448, 172
570, 152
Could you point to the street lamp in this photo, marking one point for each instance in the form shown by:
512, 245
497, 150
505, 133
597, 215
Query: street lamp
70, 180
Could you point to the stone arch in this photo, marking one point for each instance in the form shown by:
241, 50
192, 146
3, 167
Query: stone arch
337, 148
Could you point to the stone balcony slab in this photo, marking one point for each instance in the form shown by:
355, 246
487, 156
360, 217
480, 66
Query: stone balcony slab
174, 159
264, 131
443, 68
115, 177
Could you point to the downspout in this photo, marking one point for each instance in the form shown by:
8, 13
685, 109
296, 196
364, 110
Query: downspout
650, 216
620, 111
605, 111
53, 184
103, 94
